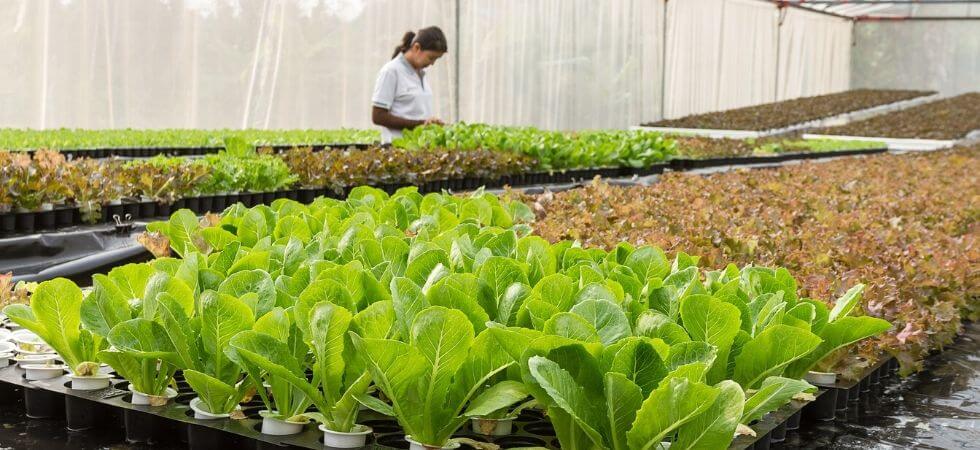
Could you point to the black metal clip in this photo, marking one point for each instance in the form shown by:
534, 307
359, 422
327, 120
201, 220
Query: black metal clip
123, 224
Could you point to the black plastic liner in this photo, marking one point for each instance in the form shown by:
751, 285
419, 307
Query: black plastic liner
700, 163
74, 253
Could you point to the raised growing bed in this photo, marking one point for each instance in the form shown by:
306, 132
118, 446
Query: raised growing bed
218, 182
131, 210
150, 142
790, 115
148, 152
701, 152
680, 164
930, 125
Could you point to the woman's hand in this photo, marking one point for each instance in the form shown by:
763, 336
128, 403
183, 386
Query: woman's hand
433, 121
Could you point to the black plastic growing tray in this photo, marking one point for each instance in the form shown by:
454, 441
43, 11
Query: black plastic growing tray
143, 152
110, 409
701, 163
52, 399
128, 210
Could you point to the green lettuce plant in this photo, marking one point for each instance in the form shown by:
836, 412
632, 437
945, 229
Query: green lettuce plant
209, 372
626, 399
274, 337
431, 378
54, 315
837, 330
336, 381
129, 307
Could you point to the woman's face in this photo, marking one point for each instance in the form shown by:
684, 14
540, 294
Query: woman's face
421, 59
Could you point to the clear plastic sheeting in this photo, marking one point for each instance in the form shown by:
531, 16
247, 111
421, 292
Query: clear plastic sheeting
941, 55
560, 64
721, 54
556, 64
814, 54
206, 63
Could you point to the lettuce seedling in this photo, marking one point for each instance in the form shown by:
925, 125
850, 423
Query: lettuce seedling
54, 315
430, 379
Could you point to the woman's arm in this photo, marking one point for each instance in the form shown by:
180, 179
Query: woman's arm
385, 118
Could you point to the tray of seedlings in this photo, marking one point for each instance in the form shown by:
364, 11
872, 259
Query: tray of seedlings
930, 126
792, 115
136, 143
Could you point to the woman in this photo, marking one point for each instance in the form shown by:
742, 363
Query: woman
402, 98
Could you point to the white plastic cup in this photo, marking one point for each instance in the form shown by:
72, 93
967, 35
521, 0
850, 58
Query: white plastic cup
89, 383
278, 427
201, 412
42, 371
492, 427
356, 438
415, 445
142, 399
821, 377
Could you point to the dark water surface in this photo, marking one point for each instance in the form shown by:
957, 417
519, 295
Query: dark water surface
938, 408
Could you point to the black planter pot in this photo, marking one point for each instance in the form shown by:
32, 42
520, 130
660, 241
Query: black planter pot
148, 209
66, 217
139, 426
246, 198
205, 203
823, 408
231, 199
81, 414
842, 395
219, 203
778, 434
763, 443
112, 210
179, 204
269, 197
854, 393
875, 377
133, 209
793, 422
305, 195
206, 438
46, 220
865, 384
163, 209
43, 404
9, 394
193, 204
26, 222
8, 222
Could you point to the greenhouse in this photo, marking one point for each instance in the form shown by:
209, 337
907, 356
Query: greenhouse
489, 224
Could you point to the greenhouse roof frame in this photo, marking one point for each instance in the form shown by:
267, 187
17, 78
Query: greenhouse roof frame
872, 10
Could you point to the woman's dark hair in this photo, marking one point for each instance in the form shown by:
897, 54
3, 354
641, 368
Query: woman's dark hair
430, 38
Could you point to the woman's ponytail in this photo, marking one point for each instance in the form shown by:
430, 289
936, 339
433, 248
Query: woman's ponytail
406, 44
431, 38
